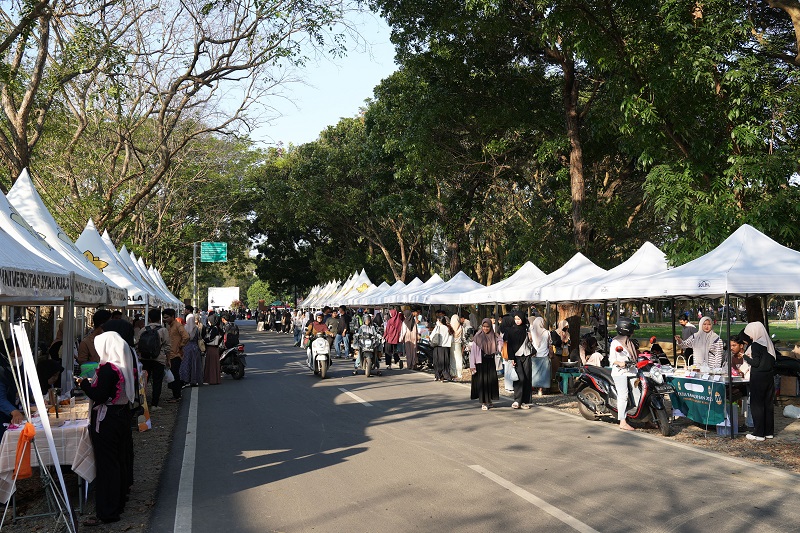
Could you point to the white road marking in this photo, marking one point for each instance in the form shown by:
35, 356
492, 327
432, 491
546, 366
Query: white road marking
183, 508
571, 521
355, 397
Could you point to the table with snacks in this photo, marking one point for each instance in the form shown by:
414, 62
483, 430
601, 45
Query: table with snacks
71, 437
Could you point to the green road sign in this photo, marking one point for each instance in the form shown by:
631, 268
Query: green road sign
213, 252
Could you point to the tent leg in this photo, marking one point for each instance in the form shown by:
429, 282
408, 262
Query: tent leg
766, 308
729, 361
674, 342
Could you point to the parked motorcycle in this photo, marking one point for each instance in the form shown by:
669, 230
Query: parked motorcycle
597, 394
424, 354
233, 361
319, 355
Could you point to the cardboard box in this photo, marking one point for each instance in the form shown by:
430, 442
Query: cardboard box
789, 386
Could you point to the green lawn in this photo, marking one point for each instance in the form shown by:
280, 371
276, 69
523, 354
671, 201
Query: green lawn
784, 331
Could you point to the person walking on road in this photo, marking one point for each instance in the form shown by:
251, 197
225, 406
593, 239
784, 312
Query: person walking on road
519, 357
482, 366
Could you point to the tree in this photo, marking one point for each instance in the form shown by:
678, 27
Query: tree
259, 292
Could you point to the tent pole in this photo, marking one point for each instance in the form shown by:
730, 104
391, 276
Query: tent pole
729, 362
765, 308
674, 342
36, 332
605, 320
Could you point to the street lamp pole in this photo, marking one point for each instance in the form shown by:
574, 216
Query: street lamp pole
194, 275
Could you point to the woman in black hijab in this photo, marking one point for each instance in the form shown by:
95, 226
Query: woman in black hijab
519, 353
485, 345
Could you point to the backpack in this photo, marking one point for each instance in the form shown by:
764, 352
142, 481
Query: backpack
149, 347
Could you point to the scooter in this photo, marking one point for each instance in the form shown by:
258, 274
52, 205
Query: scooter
424, 354
319, 355
597, 394
367, 345
233, 361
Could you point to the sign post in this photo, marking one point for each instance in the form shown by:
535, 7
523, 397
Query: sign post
213, 252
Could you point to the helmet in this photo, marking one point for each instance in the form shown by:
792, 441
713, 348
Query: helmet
626, 326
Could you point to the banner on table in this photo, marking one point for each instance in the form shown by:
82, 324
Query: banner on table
700, 400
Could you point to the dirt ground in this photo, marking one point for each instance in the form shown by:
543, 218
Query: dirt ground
782, 452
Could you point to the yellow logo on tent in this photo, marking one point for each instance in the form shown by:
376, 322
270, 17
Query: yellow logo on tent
362, 287
96, 261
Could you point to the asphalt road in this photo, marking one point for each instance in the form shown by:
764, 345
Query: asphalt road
282, 450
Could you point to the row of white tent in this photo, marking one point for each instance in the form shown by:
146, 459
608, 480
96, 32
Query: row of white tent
746, 263
40, 264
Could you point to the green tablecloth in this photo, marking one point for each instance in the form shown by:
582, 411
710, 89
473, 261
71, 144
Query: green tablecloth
698, 399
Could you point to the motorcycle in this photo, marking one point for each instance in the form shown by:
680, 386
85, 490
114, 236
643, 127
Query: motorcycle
367, 345
597, 394
319, 355
424, 355
233, 361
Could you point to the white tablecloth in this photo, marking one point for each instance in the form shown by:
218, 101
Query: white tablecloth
73, 447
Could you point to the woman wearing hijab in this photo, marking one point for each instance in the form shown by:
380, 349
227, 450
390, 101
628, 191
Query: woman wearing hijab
212, 337
191, 371
391, 337
125, 330
516, 336
409, 336
482, 366
111, 391
540, 363
760, 355
457, 349
705, 344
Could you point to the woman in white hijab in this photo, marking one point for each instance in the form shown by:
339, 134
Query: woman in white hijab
760, 355
191, 371
706, 345
540, 363
111, 392
457, 349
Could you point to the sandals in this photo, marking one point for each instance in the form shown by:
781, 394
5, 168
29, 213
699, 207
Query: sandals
525, 406
484, 407
515, 405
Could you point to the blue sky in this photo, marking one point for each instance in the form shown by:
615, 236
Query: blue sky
332, 88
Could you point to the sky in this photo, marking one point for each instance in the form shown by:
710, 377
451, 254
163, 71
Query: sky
332, 88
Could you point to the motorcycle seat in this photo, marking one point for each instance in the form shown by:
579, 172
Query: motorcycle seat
598, 371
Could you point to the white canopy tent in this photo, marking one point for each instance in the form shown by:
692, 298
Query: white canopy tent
646, 261
414, 285
746, 263
169, 299
446, 292
155, 275
525, 274
377, 299
109, 263
361, 298
129, 260
577, 269
28, 278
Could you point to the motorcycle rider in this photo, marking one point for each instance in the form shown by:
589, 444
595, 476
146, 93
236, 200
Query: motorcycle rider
318, 325
621, 352
230, 330
368, 329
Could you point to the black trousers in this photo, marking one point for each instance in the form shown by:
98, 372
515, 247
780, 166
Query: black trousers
391, 352
762, 392
177, 385
441, 362
111, 461
155, 375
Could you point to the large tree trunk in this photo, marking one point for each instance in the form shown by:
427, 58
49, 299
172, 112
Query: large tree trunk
576, 178
792, 8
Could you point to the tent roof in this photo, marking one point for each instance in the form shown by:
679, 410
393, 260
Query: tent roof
446, 292
28, 277
647, 260
747, 262
577, 269
405, 295
525, 274
108, 262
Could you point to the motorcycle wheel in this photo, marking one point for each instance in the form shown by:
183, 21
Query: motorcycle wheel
367, 366
663, 422
239, 372
323, 369
587, 413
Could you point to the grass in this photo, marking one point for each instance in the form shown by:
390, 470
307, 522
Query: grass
784, 330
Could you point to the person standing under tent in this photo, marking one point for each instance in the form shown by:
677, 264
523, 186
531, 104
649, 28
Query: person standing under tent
441, 340
409, 336
155, 364
760, 355
457, 349
687, 330
178, 338
482, 366
111, 392
705, 344
540, 362
87, 353
391, 338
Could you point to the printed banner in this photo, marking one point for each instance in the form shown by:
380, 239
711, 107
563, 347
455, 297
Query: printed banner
700, 400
